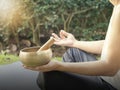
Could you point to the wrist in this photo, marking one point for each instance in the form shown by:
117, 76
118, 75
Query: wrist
75, 43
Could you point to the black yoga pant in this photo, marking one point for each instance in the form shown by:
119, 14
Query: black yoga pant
56, 80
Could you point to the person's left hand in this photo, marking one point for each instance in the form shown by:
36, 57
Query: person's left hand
52, 65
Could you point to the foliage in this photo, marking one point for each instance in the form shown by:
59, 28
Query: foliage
86, 19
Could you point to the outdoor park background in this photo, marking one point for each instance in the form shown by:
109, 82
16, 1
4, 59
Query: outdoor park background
27, 23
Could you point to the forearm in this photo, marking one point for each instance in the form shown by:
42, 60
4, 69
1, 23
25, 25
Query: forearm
94, 68
94, 47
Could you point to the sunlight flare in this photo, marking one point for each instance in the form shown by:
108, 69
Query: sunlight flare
7, 8
6, 5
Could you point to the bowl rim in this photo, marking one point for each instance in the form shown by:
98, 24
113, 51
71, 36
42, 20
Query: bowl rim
34, 47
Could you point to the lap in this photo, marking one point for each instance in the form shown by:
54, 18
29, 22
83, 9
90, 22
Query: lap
56, 80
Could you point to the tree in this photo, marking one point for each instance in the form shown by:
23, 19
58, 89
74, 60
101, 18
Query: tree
86, 19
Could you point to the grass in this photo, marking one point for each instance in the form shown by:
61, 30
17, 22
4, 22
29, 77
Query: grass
7, 59
57, 58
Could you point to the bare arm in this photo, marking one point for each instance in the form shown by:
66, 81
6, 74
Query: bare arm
94, 68
67, 39
94, 47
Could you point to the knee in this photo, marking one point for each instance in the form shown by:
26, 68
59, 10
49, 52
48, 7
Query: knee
71, 54
73, 51
77, 55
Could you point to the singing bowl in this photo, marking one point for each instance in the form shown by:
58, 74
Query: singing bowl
30, 56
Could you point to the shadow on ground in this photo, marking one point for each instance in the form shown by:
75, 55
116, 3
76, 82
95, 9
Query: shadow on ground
15, 77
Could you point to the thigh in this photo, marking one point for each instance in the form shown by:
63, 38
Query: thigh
56, 80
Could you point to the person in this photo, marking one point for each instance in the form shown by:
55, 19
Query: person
80, 69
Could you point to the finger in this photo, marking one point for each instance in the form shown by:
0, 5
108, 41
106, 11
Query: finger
30, 68
64, 33
42, 67
55, 36
42, 70
25, 66
39, 68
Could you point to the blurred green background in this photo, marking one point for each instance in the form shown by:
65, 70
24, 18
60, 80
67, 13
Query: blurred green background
26, 23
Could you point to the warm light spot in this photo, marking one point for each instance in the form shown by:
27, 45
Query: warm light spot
11, 12
5, 5
6, 8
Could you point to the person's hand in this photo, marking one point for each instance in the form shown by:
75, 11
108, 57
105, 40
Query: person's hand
52, 65
115, 2
65, 39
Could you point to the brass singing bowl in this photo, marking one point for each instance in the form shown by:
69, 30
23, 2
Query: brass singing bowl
30, 56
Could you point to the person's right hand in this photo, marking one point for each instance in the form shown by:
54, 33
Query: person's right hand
65, 39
